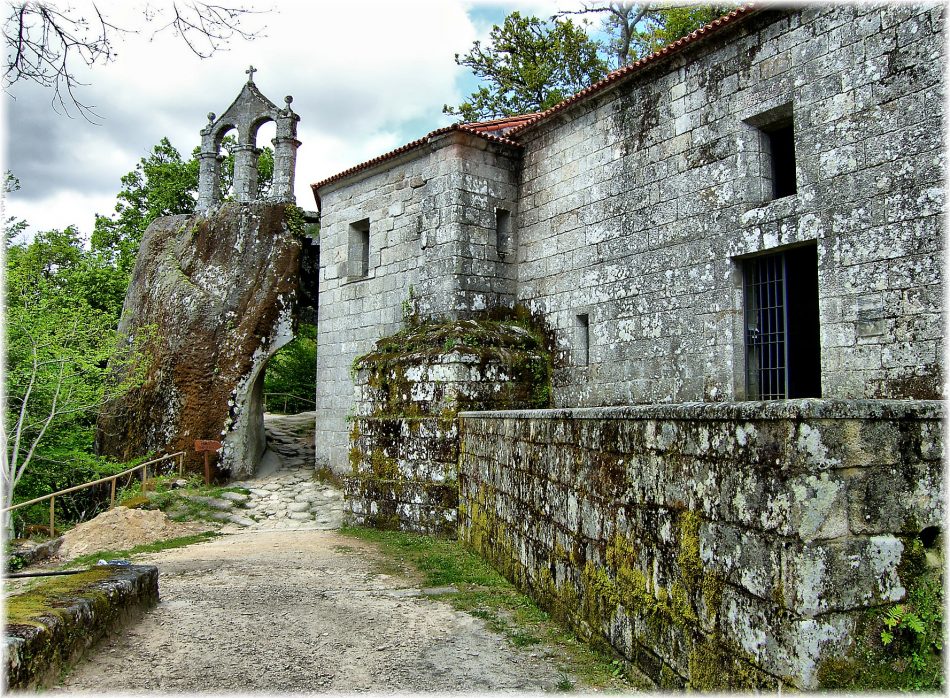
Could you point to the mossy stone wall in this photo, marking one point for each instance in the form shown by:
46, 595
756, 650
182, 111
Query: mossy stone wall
716, 546
49, 627
404, 436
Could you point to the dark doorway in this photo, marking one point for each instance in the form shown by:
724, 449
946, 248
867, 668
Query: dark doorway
783, 347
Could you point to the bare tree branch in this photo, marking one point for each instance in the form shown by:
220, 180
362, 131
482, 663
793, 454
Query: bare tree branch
45, 44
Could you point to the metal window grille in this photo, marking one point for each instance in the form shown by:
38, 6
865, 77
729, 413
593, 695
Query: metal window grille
765, 324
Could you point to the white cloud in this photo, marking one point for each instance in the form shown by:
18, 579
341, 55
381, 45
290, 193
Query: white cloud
365, 77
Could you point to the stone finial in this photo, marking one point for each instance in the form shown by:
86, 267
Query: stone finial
210, 117
250, 73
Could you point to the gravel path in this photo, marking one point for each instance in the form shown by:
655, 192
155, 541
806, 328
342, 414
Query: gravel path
301, 611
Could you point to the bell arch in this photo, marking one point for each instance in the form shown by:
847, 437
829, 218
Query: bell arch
249, 111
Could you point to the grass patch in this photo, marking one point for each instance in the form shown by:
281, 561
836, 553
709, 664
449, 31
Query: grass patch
175, 503
93, 558
484, 593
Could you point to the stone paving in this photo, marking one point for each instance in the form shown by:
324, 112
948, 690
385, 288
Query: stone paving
283, 494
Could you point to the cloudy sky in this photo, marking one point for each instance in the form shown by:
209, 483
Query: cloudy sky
366, 77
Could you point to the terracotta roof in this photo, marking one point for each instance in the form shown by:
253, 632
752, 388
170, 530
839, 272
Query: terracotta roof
504, 124
632, 68
511, 126
483, 129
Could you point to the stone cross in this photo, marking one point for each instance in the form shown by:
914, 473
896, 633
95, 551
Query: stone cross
250, 72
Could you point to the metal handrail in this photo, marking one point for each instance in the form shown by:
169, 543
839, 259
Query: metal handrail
52, 497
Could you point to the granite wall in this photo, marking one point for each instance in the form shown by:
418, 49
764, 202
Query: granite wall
729, 545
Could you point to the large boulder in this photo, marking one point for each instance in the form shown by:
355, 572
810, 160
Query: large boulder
217, 295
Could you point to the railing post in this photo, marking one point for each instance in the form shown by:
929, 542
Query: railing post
144, 476
112, 496
52, 517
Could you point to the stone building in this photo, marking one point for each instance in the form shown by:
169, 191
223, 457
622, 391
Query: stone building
754, 212
734, 248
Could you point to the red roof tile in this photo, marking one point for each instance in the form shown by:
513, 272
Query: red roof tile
501, 130
487, 134
632, 68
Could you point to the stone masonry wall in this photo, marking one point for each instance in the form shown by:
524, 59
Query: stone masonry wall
432, 255
637, 205
714, 545
404, 436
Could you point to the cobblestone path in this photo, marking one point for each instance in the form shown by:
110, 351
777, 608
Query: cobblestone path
283, 494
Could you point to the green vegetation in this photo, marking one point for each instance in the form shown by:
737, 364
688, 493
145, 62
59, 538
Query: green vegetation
484, 593
529, 64
46, 597
180, 503
93, 558
290, 378
899, 647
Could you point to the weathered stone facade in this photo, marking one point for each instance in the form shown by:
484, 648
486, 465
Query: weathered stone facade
753, 214
404, 444
730, 545
632, 212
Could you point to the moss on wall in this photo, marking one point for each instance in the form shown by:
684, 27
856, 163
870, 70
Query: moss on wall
404, 447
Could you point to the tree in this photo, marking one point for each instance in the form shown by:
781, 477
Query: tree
60, 338
528, 65
162, 184
639, 29
45, 42
290, 375
12, 226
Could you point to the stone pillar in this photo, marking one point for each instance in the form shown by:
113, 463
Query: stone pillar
285, 160
209, 180
285, 154
209, 168
245, 172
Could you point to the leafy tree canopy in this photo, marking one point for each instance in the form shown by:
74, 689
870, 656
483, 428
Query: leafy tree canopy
163, 184
666, 24
528, 65
62, 305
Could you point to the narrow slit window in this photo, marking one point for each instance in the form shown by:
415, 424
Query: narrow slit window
358, 249
774, 131
582, 340
781, 149
503, 243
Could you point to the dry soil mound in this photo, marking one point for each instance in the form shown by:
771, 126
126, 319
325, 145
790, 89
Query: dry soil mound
121, 529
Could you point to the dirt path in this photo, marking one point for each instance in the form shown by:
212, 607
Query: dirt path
300, 611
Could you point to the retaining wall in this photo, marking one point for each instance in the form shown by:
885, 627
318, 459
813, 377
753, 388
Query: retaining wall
714, 545
50, 627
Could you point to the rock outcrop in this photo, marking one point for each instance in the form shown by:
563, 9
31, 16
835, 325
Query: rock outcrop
217, 295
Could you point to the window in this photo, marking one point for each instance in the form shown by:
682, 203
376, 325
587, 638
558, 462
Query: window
582, 340
782, 344
775, 143
503, 239
780, 139
357, 260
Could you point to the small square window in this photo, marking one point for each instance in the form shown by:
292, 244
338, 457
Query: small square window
357, 258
